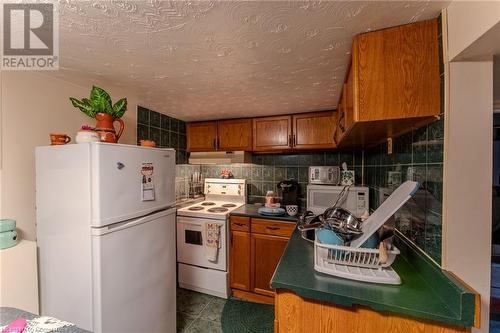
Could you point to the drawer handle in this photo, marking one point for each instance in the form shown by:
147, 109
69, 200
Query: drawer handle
273, 228
240, 224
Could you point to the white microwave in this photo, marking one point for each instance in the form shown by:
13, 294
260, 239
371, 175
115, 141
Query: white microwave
320, 197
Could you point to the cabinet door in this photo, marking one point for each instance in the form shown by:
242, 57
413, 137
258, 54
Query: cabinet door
397, 72
272, 133
235, 134
202, 136
266, 253
240, 260
313, 130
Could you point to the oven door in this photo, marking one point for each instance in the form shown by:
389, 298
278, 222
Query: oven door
190, 248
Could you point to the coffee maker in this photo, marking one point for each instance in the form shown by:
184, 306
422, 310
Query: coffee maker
289, 192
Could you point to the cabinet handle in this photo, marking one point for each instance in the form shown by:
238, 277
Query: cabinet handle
273, 228
294, 141
290, 140
215, 144
240, 224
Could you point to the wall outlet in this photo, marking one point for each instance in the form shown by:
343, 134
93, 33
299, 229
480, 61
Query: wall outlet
389, 146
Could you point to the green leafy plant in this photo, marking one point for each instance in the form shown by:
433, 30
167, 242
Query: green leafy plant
100, 102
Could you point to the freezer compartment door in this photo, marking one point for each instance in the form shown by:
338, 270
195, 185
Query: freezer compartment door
134, 275
130, 181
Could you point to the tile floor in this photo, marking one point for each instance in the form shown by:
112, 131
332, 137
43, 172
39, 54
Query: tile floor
198, 312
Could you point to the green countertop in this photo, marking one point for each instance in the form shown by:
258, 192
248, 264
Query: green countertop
426, 291
250, 210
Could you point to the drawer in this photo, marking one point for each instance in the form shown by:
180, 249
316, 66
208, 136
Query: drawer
272, 227
240, 223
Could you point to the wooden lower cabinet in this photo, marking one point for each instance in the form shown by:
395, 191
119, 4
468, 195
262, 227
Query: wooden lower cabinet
240, 260
294, 314
256, 248
266, 253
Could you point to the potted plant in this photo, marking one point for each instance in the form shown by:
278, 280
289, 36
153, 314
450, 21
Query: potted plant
99, 106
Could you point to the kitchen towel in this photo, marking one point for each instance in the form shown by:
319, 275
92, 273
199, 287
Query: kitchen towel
211, 240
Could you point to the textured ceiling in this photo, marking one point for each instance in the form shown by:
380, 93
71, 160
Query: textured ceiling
211, 60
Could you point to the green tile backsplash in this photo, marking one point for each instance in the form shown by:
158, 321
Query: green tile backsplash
166, 131
266, 171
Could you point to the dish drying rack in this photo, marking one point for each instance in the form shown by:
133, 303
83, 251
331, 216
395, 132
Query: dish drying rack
358, 264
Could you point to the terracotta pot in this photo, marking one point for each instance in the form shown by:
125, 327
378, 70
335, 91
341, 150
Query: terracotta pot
104, 126
59, 139
147, 143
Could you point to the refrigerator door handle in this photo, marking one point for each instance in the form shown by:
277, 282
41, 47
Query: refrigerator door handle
130, 223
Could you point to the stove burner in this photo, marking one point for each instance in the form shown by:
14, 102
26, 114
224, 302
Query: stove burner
207, 203
196, 208
229, 205
217, 210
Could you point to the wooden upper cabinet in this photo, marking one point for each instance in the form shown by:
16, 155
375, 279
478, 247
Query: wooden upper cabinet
396, 72
201, 136
314, 130
393, 84
272, 133
235, 134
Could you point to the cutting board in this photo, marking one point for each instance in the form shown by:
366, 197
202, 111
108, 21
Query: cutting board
390, 206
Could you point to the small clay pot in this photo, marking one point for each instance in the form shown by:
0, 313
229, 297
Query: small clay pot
59, 139
147, 143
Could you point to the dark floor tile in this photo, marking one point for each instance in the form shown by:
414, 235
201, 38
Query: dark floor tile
184, 321
213, 310
191, 303
205, 326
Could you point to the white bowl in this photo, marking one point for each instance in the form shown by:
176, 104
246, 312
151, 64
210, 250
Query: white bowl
292, 210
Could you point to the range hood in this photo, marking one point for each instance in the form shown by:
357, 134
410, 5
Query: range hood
220, 157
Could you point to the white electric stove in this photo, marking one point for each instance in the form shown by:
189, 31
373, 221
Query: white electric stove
195, 271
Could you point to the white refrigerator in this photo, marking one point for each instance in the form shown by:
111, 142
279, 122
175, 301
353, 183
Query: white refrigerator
106, 236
